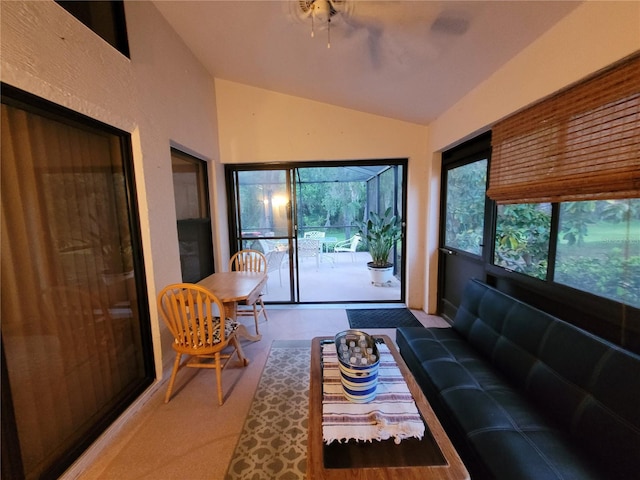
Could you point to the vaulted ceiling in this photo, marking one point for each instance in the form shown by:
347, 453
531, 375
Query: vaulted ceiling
407, 60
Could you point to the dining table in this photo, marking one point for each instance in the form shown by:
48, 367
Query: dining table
234, 287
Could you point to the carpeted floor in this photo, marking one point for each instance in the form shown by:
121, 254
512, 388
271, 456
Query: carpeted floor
381, 318
273, 442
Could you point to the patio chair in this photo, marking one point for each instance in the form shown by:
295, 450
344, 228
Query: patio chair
350, 245
309, 248
276, 259
250, 261
189, 311
267, 245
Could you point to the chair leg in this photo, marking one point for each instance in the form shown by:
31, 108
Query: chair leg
218, 361
264, 310
236, 344
176, 367
255, 316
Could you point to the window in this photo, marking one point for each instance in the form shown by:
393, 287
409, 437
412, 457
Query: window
466, 186
522, 238
191, 190
105, 18
598, 248
577, 150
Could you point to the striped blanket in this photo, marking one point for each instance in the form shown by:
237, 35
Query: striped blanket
392, 414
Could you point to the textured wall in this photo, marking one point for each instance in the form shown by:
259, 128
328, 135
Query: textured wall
162, 96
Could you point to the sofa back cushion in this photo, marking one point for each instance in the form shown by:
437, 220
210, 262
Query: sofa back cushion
590, 387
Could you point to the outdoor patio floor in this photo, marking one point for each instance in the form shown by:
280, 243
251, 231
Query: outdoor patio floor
336, 277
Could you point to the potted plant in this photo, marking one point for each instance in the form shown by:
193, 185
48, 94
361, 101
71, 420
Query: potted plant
381, 233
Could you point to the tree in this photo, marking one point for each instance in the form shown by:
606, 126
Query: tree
577, 216
522, 238
466, 186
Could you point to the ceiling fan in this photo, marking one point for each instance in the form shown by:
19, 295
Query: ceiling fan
322, 13
384, 23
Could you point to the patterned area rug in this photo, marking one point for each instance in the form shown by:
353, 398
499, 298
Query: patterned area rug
381, 318
273, 442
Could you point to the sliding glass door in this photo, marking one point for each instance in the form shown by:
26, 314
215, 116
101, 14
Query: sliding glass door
75, 324
298, 215
263, 222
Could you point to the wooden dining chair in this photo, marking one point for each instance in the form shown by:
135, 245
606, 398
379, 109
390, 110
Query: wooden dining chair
195, 318
250, 261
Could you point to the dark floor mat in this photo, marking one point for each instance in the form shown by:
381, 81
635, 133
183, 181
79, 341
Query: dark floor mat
381, 318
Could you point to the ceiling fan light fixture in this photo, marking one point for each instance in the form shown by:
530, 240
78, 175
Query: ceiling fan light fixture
321, 11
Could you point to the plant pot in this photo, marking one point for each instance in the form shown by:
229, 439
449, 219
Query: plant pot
380, 275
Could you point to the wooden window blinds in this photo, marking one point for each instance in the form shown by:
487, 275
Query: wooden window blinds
582, 143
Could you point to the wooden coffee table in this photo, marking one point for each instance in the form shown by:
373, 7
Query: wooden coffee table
433, 457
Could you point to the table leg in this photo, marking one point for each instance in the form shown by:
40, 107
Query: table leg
241, 332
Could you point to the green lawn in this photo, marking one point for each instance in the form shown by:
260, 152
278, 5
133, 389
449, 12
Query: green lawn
614, 232
603, 237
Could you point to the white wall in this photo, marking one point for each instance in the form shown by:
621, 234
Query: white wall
257, 125
162, 96
591, 37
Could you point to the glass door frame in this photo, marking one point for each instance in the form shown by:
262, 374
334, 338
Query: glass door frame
236, 239
456, 265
